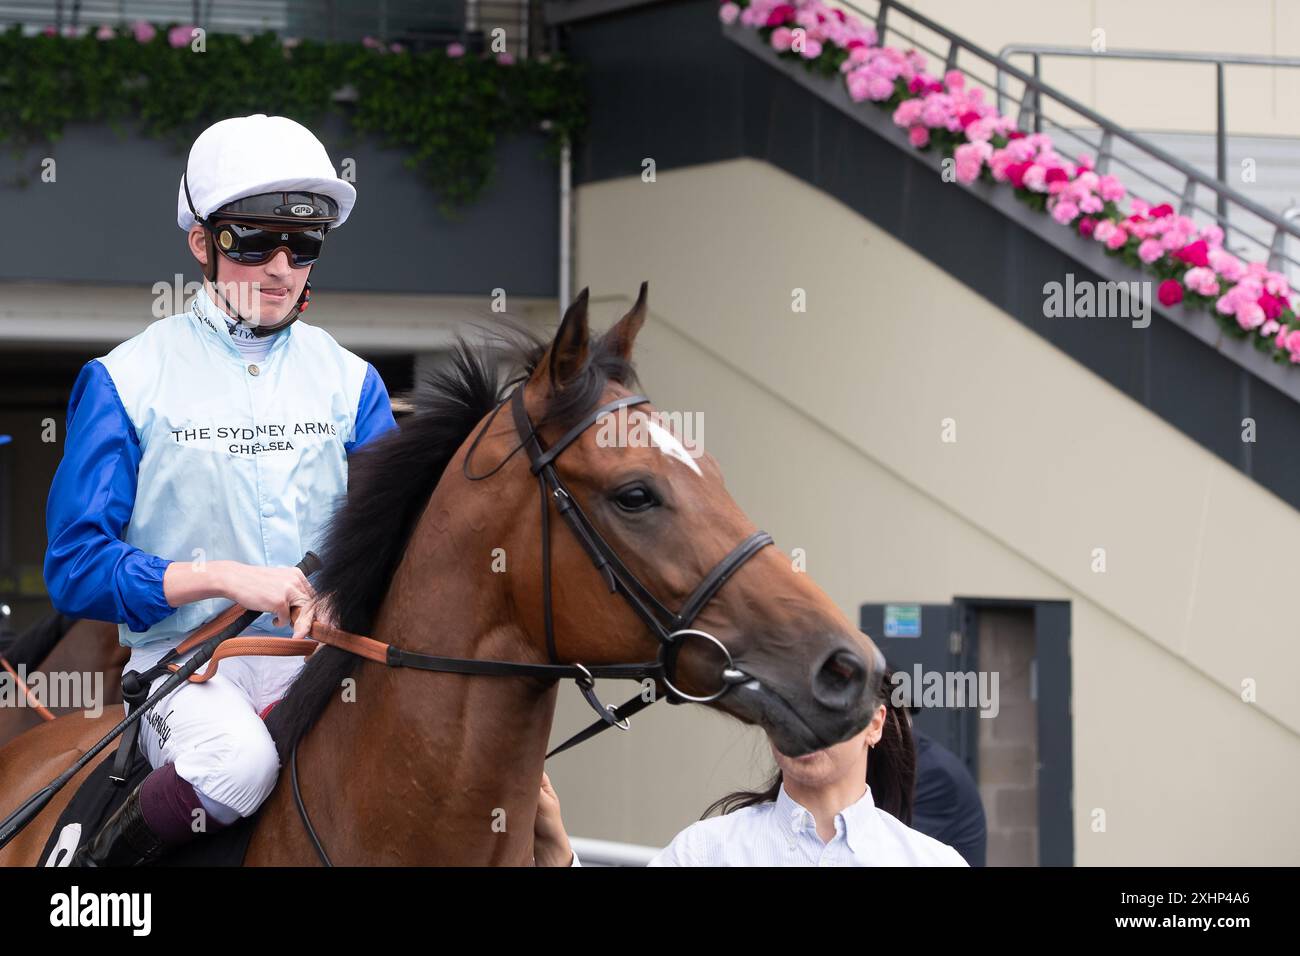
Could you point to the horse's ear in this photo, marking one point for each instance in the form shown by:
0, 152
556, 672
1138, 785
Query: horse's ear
567, 353
622, 334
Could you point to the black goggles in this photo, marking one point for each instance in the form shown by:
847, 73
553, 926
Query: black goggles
253, 244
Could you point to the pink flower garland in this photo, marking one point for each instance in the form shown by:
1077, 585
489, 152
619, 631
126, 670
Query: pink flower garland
1191, 258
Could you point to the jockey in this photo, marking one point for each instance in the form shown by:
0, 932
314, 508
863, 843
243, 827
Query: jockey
203, 458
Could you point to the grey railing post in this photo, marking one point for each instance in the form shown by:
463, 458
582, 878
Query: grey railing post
1038, 106
1185, 208
1104, 151
951, 62
880, 21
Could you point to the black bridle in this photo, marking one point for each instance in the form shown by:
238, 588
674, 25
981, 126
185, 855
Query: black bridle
669, 628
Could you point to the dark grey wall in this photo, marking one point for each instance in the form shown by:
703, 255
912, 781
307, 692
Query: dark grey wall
664, 82
110, 216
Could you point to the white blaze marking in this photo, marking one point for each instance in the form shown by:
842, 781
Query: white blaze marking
668, 443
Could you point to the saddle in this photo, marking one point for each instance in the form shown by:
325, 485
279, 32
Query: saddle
110, 783
99, 796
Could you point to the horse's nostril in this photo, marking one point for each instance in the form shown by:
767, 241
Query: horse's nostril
840, 679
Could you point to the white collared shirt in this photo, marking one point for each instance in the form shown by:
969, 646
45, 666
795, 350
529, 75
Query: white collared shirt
783, 833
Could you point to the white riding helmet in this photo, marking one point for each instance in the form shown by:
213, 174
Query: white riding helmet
250, 155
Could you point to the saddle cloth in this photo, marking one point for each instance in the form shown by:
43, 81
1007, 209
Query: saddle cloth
99, 797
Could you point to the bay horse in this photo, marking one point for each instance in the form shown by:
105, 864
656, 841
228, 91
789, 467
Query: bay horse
435, 554
60, 645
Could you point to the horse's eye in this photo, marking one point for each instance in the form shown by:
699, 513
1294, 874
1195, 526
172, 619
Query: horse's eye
635, 498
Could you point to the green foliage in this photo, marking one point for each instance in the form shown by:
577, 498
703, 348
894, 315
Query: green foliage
447, 112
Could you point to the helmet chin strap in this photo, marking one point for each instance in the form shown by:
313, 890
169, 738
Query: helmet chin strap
261, 331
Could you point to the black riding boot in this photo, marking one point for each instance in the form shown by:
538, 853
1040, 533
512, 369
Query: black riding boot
124, 840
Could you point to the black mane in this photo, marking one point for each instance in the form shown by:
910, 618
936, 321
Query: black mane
390, 481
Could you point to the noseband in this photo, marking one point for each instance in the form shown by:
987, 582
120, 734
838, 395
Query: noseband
670, 628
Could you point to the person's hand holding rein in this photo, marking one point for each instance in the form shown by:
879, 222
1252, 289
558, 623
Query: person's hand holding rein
251, 586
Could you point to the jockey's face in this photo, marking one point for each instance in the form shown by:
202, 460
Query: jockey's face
264, 293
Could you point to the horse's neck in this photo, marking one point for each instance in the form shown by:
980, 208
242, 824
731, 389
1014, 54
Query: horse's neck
428, 768
417, 767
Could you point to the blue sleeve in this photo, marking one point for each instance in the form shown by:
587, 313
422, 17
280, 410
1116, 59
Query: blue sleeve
374, 412
90, 572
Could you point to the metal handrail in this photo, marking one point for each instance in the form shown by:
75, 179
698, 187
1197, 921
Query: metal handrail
1037, 91
1039, 50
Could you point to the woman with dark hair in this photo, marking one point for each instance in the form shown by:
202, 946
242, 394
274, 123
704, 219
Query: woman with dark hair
846, 805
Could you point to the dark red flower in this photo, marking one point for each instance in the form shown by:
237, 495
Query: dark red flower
780, 15
854, 43
917, 85
839, 15
1057, 175
1170, 292
1271, 305
1194, 253
1086, 225
968, 117
1016, 173
1016, 134
1164, 209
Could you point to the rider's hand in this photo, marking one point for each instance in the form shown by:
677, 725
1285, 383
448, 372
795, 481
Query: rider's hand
550, 842
316, 610
258, 588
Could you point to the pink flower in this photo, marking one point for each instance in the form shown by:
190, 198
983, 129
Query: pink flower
781, 39
1250, 316
1202, 281
1035, 178
105, 33
179, 36
1226, 264
728, 13
908, 112
398, 48
506, 59
954, 80
1087, 226
50, 32
1170, 292
1105, 229
1064, 212
812, 49
455, 50
1150, 250
143, 31
918, 136
1111, 189
1117, 239
370, 43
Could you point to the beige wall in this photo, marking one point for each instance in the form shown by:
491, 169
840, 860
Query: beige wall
827, 425
1146, 95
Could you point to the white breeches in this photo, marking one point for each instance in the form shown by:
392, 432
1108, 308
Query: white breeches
214, 736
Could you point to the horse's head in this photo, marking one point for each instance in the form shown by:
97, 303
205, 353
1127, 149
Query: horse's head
810, 678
